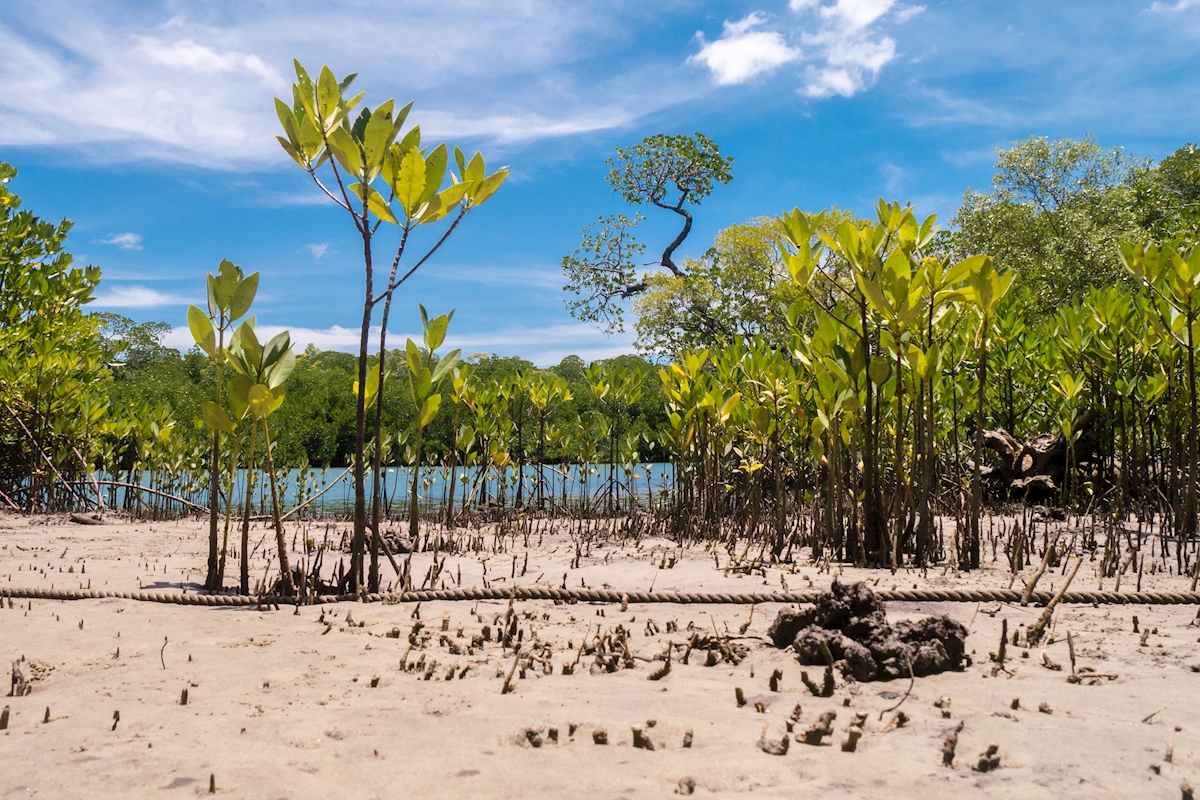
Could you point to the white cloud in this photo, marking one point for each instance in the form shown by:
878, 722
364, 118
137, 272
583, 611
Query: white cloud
524, 277
187, 55
318, 250
851, 49
1179, 5
125, 241
121, 83
843, 48
137, 297
743, 53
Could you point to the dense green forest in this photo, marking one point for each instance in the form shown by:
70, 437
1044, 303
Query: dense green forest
316, 424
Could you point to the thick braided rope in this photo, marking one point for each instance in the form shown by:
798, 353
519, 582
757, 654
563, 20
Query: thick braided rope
614, 596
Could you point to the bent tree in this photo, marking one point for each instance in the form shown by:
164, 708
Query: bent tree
669, 172
376, 176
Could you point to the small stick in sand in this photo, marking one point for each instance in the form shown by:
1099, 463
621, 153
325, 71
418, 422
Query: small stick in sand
4, 719
1029, 587
989, 760
772, 747
641, 740
912, 679
665, 669
116, 719
688, 651
821, 728
162, 652
1034, 632
949, 745
745, 626
512, 670
212, 784
183, 697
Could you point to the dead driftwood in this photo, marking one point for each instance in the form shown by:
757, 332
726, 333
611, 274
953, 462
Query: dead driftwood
1035, 469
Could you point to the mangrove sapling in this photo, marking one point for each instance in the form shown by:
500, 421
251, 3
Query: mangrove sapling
1171, 274
318, 131
258, 389
423, 377
985, 290
464, 437
229, 298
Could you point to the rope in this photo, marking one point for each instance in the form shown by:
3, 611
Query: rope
610, 596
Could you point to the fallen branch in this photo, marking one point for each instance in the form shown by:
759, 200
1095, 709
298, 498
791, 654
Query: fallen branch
147, 489
318, 494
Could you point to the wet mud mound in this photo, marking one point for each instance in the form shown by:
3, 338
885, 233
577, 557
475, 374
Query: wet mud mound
851, 623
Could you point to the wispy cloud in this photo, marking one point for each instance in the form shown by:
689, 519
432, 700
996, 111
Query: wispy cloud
189, 81
851, 50
317, 250
842, 45
488, 275
1178, 5
125, 241
137, 297
743, 51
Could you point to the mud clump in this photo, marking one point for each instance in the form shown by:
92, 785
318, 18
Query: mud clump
852, 623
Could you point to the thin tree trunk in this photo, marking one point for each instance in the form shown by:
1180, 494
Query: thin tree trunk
284, 571
244, 582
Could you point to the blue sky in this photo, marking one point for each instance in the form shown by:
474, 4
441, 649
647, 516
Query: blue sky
151, 125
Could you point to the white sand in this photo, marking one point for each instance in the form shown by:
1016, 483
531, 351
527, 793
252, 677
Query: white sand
280, 708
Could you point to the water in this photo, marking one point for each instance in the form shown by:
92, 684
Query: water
336, 487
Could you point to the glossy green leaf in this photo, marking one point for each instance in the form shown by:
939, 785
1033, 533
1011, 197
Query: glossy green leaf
423, 383
446, 364
216, 418
435, 172
345, 150
239, 395
435, 331
484, 190
202, 330
413, 355
274, 349
429, 410
410, 182
243, 296
475, 170
259, 400
279, 373
377, 136
411, 139
328, 94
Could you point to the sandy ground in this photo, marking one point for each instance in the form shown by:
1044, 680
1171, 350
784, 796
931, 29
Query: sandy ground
281, 703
